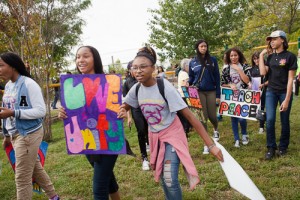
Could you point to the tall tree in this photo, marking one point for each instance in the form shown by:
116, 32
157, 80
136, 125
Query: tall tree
117, 67
265, 16
43, 33
178, 24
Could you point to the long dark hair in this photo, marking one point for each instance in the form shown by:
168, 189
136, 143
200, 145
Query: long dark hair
254, 55
161, 67
206, 58
242, 58
14, 61
98, 67
285, 43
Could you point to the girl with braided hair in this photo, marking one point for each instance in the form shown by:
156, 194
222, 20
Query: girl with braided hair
168, 143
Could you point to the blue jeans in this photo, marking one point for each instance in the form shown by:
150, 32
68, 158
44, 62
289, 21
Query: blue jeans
169, 176
235, 127
104, 181
272, 100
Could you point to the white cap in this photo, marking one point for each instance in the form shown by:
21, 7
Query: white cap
276, 34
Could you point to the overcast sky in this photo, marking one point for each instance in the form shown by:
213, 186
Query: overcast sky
116, 28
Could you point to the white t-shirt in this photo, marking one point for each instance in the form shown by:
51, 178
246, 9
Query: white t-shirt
162, 75
9, 99
156, 111
235, 76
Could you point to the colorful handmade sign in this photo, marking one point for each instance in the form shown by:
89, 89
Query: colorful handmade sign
92, 102
41, 154
240, 103
191, 97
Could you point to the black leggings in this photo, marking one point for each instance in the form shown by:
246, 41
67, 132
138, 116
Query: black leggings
142, 129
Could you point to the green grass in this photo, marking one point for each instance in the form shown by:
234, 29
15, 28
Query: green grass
72, 175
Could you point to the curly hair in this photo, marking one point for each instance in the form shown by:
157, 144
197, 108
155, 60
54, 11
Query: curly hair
147, 52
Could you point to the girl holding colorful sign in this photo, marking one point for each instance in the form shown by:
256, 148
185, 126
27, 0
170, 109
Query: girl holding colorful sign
204, 74
88, 61
236, 75
168, 143
22, 113
281, 67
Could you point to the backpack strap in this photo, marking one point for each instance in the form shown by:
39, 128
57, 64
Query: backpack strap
137, 90
161, 88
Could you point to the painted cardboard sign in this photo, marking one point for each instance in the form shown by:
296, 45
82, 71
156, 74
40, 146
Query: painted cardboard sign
10, 152
240, 103
91, 102
255, 82
191, 97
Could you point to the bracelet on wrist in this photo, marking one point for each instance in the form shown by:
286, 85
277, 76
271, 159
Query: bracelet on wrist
211, 146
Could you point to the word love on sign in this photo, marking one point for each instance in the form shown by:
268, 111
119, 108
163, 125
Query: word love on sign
240, 103
91, 102
191, 97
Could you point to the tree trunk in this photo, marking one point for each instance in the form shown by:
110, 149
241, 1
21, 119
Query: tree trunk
47, 120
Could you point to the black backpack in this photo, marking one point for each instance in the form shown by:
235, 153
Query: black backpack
161, 87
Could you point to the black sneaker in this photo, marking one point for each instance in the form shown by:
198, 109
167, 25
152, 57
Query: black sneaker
128, 149
270, 154
282, 152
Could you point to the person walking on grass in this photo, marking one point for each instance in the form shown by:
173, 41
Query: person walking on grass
138, 118
88, 61
22, 111
56, 94
281, 67
258, 83
183, 80
168, 143
204, 74
236, 75
220, 117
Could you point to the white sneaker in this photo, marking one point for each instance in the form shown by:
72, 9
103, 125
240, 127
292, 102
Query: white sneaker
145, 165
261, 130
205, 150
237, 144
216, 136
245, 139
147, 147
